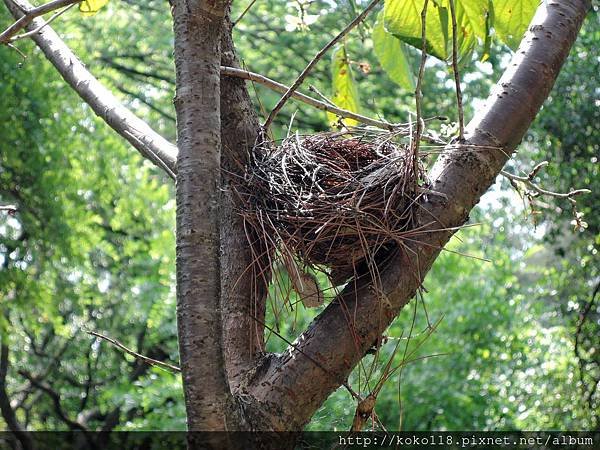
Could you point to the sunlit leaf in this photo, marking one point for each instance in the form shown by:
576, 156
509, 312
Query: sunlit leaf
345, 93
402, 18
511, 18
91, 7
471, 27
390, 52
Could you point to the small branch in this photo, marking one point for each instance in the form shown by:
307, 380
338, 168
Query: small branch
31, 14
311, 88
459, 105
56, 400
400, 128
419, 95
528, 181
314, 61
38, 29
250, 5
152, 362
278, 87
102, 101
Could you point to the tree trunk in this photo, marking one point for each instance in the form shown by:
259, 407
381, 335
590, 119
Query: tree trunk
197, 28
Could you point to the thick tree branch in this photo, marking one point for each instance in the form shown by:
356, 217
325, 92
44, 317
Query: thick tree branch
149, 143
242, 294
293, 382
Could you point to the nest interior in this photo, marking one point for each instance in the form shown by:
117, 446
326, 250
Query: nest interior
334, 200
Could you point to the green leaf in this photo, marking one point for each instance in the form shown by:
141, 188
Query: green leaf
345, 93
402, 18
511, 18
470, 20
392, 58
91, 7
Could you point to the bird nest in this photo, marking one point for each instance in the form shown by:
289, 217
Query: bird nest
333, 201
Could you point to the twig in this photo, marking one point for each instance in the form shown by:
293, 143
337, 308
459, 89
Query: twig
322, 105
10, 209
418, 93
317, 57
152, 362
528, 181
311, 88
243, 13
278, 87
459, 105
31, 14
38, 29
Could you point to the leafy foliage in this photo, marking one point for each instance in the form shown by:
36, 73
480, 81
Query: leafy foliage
391, 55
478, 22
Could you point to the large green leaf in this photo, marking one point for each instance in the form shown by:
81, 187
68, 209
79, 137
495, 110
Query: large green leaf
402, 18
345, 92
511, 18
390, 53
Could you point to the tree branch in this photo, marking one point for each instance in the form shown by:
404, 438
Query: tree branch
243, 296
292, 382
528, 181
31, 14
278, 87
10, 209
55, 396
147, 360
149, 143
316, 59
8, 413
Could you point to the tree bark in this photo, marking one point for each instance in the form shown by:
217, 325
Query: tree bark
197, 28
294, 386
243, 295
